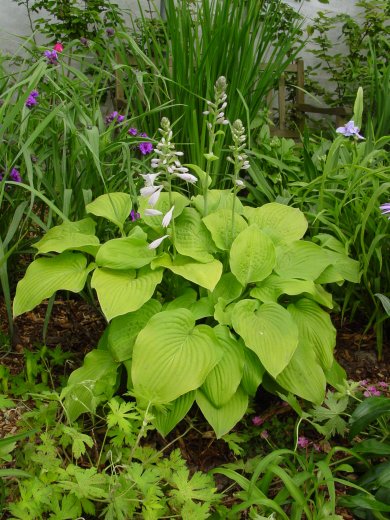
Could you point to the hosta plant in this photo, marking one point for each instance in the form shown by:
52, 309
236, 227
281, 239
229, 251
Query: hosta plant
205, 297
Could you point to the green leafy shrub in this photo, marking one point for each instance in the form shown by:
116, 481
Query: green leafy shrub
205, 303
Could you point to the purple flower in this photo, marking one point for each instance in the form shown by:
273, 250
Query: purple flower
15, 175
257, 421
303, 442
84, 41
264, 434
363, 382
133, 131
383, 384
349, 129
114, 116
52, 57
32, 99
145, 148
385, 209
110, 32
134, 215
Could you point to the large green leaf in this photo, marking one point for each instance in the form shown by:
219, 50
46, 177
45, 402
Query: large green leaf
202, 308
269, 331
45, 276
252, 256
220, 225
192, 237
342, 268
224, 418
227, 288
270, 289
206, 275
222, 382
165, 420
253, 372
315, 329
184, 301
283, 223
223, 312
172, 356
303, 376
94, 382
164, 204
301, 259
218, 199
120, 292
125, 253
115, 207
78, 235
123, 330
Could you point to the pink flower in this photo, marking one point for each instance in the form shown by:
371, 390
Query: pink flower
383, 384
303, 442
58, 47
257, 421
264, 434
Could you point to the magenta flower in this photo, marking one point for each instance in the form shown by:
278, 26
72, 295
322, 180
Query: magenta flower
383, 384
257, 421
303, 442
372, 391
133, 131
349, 129
385, 209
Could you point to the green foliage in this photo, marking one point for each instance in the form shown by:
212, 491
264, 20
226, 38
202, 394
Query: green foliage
353, 51
220, 345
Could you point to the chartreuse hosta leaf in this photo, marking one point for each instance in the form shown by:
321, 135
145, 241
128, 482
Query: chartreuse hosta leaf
304, 376
222, 382
164, 204
269, 331
184, 301
253, 372
283, 223
274, 286
224, 418
44, 276
172, 356
206, 275
252, 256
228, 288
131, 252
115, 207
315, 328
78, 235
220, 225
89, 385
218, 199
342, 268
192, 237
223, 312
123, 330
120, 292
166, 418
301, 259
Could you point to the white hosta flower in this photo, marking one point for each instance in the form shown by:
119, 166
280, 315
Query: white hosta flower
188, 177
155, 196
157, 242
167, 217
147, 191
149, 178
239, 182
152, 212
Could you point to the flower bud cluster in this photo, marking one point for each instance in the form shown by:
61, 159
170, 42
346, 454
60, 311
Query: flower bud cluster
240, 158
167, 160
216, 108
